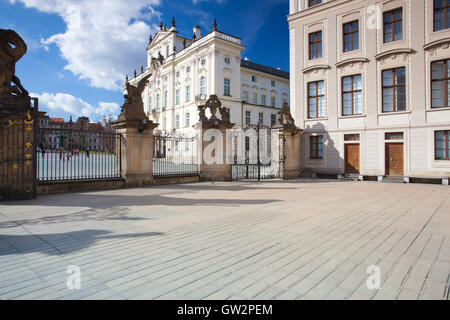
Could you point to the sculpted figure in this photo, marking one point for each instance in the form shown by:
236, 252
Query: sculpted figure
12, 48
133, 107
285, 115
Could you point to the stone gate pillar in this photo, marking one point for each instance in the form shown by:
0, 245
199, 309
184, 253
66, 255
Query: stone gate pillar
292, 169
137, 151
292, 144
214, 164
137, 131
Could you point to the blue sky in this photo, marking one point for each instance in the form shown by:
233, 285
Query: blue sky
80, 50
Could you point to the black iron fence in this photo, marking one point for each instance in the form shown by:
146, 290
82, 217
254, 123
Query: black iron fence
175, 156
257, 153
77, 154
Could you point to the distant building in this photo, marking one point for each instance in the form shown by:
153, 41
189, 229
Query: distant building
185, 72
80, 135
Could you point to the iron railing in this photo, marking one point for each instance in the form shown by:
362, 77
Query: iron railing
175, 156
77, 154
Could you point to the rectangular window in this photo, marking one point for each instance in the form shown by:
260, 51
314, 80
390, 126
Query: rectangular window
315, 45
245, 96
273, 120
351, 36
166, 99
177, 96
316, 147
202, 85
227, 87
312, 3
261, 118
441, 14
316, 99
393, 136
254, 79
273, 102
442, 145
188, 69
351, 137
394, 90
255, 98
158, 101
393, 25
263, 100
188, 116
272, 83
440, 84
177, 121
351, 95
247, 117
188, 93
149, 103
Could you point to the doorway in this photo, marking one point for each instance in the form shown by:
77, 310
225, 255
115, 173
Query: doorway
394, 159
352, 158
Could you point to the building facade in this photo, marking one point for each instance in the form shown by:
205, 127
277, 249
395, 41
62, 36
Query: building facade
185, 72
370, 86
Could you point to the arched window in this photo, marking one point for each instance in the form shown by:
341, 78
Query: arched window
202, 85
158, 101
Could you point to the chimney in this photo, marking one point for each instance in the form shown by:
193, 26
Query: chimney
198, 32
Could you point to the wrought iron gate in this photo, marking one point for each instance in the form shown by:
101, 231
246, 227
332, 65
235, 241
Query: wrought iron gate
258, 153
18, 126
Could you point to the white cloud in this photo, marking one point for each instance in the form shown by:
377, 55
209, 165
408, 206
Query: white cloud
104, 39
64, 105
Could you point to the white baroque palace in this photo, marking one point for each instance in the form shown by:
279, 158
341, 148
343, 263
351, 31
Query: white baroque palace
369, 85
185, 72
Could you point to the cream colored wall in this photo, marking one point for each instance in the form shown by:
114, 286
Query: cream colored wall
418, 48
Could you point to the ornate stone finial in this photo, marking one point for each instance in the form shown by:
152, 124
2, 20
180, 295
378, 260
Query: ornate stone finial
214, 105
126, 79
151, 39
142, 69
174, 49
194, 37
215, 25
12, 48
165, 28
135, 73
173, 22
161, 26
184, 43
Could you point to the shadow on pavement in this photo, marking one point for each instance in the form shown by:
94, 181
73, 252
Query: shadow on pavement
61, 243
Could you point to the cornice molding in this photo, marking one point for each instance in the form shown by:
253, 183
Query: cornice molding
316, 67
345, 62
388, 53
436, 43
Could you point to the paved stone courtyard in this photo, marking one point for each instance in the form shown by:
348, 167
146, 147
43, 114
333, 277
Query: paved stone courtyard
284, 240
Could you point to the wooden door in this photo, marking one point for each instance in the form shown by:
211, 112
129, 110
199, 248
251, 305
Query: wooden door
352, 163
394, 159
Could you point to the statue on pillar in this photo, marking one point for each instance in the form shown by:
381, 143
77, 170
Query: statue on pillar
286, 120
12, 48
133, 107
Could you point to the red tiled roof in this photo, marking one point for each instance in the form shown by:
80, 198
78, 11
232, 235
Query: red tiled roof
58, 120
